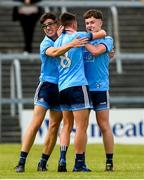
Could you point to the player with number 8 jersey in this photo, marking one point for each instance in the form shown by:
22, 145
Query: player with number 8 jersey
74, 94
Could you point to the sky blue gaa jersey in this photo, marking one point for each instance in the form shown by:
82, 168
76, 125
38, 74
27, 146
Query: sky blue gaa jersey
71, 65
49, 70
97, 67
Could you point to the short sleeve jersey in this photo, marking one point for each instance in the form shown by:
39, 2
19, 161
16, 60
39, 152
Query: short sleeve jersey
71, 65
97, 67
49, 70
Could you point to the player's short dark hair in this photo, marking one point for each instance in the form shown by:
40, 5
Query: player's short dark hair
67, 18
48, 15
93, 13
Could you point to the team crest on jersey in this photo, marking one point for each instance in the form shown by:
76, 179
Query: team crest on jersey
88, 57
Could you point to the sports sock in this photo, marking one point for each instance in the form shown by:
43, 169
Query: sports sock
44, 159
84, 156
79, 160
109, 158
23, 156
63, 151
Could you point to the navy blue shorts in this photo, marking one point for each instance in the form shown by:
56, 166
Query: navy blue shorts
100, 100
75, 98
47, 95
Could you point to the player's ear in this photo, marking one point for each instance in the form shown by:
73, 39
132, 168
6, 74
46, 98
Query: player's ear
101, 23
74, 25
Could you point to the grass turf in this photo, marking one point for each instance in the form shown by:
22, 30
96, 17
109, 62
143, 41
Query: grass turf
128, 163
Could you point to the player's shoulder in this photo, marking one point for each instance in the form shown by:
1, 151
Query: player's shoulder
108, 38
47, 42
81, 32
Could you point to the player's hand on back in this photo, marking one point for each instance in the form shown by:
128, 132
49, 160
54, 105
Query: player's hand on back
78, 42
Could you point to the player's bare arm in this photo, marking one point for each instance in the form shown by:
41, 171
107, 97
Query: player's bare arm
96, 50
77, 42
100, 34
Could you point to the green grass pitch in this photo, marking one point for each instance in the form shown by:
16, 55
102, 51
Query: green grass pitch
128, 163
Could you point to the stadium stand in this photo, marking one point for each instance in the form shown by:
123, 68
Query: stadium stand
127, 84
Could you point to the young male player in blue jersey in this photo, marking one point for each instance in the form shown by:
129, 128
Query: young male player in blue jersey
73, 87
96, 58
47, 94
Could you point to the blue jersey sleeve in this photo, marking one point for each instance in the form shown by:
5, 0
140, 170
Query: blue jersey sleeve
46, 43
108, 43
85, 35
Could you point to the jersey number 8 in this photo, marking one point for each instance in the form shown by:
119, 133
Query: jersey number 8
65, 61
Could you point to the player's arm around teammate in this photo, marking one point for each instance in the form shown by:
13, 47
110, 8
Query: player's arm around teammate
51, 51
46, 95
74, 94
97, 73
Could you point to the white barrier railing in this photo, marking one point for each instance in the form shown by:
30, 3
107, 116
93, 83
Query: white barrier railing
16, 88
15, 85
